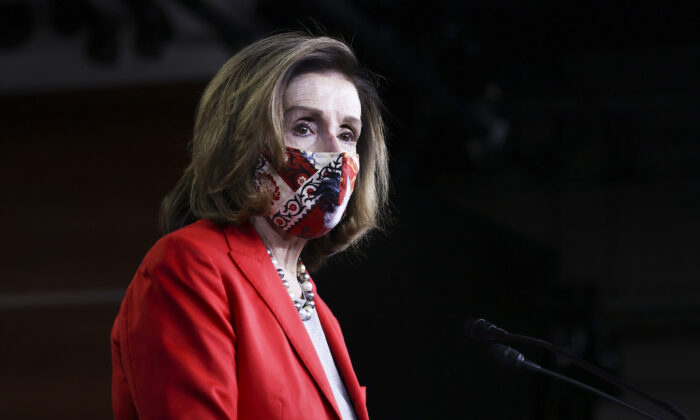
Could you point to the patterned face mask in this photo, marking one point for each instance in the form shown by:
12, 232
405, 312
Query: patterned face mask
310, 193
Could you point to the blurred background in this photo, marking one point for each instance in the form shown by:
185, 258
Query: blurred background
545, 160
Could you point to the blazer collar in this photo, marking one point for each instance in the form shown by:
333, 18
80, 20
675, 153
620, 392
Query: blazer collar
249, 253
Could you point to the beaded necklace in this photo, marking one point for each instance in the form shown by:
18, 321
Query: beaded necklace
306, 308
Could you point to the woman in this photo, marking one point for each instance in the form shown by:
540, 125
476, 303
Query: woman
222, 320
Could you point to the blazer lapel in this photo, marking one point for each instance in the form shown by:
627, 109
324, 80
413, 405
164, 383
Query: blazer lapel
248, 253
342, 359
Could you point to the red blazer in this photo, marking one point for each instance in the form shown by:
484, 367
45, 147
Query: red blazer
207, 331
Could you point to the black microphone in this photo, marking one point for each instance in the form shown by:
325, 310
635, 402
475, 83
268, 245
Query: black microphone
513, 359
480, 329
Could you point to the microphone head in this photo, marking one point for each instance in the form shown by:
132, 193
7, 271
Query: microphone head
506, 356
480, 329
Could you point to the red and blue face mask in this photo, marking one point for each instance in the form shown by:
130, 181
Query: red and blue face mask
311, 192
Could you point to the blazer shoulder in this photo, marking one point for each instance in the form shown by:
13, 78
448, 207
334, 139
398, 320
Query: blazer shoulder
208, 241
202, 239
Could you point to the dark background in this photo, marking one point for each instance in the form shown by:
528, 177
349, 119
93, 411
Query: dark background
545, 167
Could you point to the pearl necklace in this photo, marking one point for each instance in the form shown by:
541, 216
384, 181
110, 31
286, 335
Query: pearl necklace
306, 309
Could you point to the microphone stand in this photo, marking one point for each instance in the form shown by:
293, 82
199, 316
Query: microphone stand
512, 358
503, 335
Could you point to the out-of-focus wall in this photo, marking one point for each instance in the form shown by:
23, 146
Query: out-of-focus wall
82, 176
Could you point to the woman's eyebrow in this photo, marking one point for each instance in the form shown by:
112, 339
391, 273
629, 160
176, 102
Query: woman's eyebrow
353, 120
317, 112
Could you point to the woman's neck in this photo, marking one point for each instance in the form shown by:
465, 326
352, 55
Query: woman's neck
285, 248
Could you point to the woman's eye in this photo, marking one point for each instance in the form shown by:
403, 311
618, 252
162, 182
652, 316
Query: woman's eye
301, 129
348, 136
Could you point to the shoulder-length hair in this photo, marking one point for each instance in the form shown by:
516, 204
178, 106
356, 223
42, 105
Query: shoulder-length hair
240, 114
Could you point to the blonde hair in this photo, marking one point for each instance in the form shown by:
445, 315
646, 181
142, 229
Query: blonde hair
240, 114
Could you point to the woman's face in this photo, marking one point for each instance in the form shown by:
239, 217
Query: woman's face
322, 113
